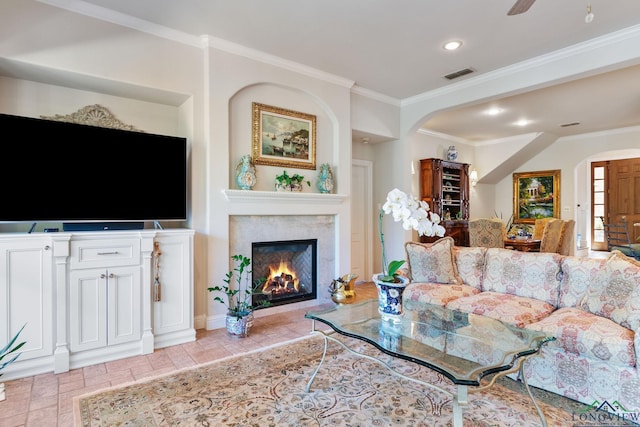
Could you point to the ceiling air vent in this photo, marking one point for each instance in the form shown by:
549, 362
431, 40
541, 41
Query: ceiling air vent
459, 73
569, 124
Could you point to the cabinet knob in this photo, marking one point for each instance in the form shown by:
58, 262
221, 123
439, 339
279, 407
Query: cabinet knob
47, 247
111, 276
102, 276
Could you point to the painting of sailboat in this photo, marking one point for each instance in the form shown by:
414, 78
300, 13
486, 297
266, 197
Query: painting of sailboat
283, 137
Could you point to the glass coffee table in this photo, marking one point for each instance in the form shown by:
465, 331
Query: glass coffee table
472, 351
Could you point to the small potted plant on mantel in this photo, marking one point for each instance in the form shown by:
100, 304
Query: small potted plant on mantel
239, 297
286, 182
9, 349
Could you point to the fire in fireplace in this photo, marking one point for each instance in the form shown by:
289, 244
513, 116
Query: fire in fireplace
286, 269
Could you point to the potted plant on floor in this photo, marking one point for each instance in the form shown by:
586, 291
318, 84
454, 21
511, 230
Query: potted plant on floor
9, 350
286, 182
238, 297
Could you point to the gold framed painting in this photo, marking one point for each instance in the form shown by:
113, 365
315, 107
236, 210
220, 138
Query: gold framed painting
536, 195
282, 137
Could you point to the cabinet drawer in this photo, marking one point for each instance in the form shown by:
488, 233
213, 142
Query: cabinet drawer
104, 253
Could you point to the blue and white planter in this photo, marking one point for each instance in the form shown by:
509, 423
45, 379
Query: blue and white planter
390, 299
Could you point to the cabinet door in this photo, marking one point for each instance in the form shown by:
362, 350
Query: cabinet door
124, 316
454, 191
430, 178
105, 307
173, 307
26, 295
88, 309
444, 186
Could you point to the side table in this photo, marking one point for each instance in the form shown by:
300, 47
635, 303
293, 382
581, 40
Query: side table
524, 245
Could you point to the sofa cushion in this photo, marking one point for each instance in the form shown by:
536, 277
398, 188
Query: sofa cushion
586, 334
516, 310
470, 263
432, 262
577, 274
526, 274
435, 293
615, 293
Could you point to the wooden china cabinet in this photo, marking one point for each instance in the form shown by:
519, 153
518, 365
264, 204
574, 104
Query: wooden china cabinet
444, 185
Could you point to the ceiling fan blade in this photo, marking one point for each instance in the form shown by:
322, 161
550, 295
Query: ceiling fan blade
521, 6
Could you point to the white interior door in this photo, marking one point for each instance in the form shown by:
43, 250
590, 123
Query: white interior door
361, 219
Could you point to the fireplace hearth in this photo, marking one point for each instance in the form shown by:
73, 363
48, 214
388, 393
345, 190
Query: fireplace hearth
286, 270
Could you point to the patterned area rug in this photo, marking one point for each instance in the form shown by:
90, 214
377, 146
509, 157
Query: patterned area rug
267, 388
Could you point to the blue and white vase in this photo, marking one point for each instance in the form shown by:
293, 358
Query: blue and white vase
452, 153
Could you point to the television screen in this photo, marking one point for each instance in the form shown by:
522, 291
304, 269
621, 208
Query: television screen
66, 172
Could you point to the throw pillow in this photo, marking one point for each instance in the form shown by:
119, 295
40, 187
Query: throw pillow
470, 264
432, 262
615, 293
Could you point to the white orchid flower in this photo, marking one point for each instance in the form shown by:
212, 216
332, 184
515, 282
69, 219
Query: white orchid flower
414, 215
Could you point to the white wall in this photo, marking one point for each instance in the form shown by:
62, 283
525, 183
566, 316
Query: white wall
233, 88
569, 155
376, 117
240, 139
190, 87
202, 89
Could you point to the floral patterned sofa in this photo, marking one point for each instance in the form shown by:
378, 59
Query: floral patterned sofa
592, 307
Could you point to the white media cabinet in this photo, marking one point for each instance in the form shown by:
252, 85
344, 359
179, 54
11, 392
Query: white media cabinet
93, 297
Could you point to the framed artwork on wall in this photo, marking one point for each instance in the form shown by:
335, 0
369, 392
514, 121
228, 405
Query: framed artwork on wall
536, 195
283, 137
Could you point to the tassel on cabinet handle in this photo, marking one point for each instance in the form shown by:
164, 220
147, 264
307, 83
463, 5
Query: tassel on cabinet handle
157, 288
157, 291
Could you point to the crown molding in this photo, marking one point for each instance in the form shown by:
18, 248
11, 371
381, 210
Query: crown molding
444, 136
609, 132
117, 18
359, 90
237, 49
128, 21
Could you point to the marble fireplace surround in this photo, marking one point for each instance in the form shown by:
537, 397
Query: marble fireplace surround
264, 216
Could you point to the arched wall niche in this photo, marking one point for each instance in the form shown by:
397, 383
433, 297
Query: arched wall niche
277, 95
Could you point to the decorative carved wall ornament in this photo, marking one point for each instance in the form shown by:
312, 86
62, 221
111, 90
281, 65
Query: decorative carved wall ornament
93, 115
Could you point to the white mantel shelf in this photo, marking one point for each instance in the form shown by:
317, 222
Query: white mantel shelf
250, 202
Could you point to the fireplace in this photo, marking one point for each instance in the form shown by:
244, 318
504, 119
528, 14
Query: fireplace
286, 270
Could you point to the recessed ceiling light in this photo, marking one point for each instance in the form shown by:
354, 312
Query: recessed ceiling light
522, 122
494, 111
452, 45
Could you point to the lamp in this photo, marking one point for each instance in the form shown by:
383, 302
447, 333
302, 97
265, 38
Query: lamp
474, 177
590, 15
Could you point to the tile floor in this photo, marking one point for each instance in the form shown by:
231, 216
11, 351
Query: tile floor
47, 400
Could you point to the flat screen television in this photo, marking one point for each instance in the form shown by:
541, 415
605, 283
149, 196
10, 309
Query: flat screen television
90, 177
